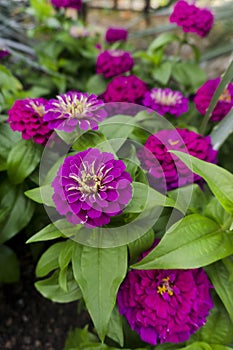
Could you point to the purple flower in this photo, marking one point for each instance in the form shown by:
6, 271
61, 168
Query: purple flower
164, 167
74, 109
113, 62
116, 34
192, 18
26, 116
165, 305
4, 53
204, 95
90, 187
166, 101
125, 89
76, 4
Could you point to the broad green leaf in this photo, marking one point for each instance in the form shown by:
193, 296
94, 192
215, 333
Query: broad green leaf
22, 160
97, 267
188, 74
9, 271
89, 140
66, 253
219, 179
140, 245
115, 327
51, 289
42, 195
46, 234
219, 276
162, 40
216, 212
49, 259
62, 279
16, 208
117, 127
96, 84
192, 242
163, 72
8, 138
78, 337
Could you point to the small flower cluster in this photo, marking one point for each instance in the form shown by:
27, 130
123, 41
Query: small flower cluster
204, 95
192, 18
75, 4
111, 63
4, 53
116, 34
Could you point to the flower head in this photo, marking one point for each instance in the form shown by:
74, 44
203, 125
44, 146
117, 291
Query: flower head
90, 187
164, 167
116, 34
125, 89
204, 95
165, 305
26, 116
76, 4
192, 18
113, 62
166, 101
74, 109
4, 53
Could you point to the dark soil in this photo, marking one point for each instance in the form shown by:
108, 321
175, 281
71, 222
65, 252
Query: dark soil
30, 322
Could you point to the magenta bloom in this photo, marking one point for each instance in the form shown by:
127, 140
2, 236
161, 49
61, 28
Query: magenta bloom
90, 187
76, 4
74, 109
167, 168
4, 53
26, 116
114, 62
204, 95
166, 101
125, 89
192, 18
116, 34
165, 305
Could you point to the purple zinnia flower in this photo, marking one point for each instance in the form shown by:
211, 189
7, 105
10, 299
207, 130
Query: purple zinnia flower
113, 62
4, 53
74, 109
75, 4
163, 166
166, 101
165, 305
26, 116
125, 89
204, 96
192, 18
90, 187
116, 34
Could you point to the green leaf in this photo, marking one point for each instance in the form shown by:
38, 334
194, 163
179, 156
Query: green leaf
216, 212
62, 279
97, 267
66, 253
49, 259
42, 195
9, 271
16, 209
115, 327
140, 245
188, 74
163, 72
219, 276
46, 234
96, 84
51, 289
78, 337
192, 242
8, 139
162, 40
90, 139
22, 160
219, 179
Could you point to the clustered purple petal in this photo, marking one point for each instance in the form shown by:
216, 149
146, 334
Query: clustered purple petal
116, 34
74, 109
76, 4
166, 101
192, 18
204, 95
165, 305
4, 53
111, 63
125, 89
26, 116
90, 187
167, 168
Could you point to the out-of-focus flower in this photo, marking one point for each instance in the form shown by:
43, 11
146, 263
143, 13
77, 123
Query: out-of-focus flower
165, 305
26, 116
164, 167
204, 95
90, 187
4, 53
125, 89
192, 18
114, 62
74, 109
116, 34
166, 101
79, 32
76, 4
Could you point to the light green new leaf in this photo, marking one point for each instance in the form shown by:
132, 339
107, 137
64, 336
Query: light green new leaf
219, 179
49, 259
42, 195
96, 84
192, 242
99, 273
46, 234
22, 160
162, 40
9, 271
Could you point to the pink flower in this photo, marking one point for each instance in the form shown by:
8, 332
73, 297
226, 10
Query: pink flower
113, 62
204, 95
76, 4
192, 18
116, 34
